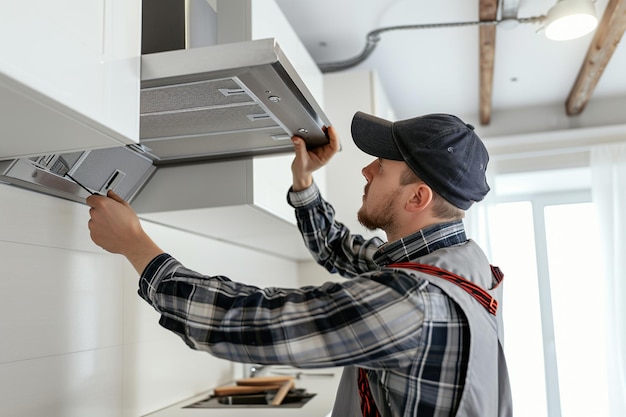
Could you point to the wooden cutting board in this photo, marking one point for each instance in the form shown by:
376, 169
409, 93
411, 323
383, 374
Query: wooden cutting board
281, 384
265, 380
239, 390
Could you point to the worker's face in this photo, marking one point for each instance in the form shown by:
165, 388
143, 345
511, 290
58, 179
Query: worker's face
380, 197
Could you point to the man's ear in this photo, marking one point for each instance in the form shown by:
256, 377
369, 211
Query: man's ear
420, 197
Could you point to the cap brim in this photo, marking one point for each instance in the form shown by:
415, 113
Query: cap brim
374, 136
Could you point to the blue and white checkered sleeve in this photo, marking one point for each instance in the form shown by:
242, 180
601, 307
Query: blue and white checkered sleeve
328, 240
359, 321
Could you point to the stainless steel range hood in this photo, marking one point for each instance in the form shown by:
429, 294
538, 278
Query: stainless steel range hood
225, 101
201, 104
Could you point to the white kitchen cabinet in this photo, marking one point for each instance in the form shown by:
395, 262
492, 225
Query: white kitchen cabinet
69, 75
272, 178
240, 201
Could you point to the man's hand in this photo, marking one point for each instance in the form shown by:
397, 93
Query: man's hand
308, 161
115, 227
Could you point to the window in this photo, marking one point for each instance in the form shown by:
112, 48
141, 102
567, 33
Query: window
513, 249
547, 245
577, 308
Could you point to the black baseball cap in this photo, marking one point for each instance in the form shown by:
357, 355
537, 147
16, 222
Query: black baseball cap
441, 149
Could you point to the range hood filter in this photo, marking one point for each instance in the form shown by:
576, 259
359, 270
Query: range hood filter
219, 106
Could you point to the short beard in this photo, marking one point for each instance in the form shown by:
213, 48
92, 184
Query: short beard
382, 218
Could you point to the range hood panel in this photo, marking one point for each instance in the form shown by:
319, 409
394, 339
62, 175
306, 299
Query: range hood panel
222, 145
223, 101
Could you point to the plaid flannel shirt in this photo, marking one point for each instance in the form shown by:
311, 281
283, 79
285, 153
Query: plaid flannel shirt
409, 335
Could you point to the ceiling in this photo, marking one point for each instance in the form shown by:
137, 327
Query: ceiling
439, 69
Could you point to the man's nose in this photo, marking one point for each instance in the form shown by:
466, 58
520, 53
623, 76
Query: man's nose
366, 171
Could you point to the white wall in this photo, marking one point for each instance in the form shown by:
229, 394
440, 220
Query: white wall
76, 339
345, 94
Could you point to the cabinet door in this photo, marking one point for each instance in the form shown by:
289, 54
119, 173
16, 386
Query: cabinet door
69, 74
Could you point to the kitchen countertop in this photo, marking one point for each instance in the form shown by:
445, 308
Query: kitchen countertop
322, 382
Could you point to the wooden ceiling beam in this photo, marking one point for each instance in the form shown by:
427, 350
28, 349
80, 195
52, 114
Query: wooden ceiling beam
605, 40
488, 10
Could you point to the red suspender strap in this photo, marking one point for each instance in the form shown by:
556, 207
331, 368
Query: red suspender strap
482, 296
368, 406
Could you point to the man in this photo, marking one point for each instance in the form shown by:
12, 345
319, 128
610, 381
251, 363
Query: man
416, 327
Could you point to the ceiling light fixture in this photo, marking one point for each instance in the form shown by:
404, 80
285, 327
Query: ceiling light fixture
567, 19
570, 19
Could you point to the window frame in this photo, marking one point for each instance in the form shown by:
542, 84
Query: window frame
539, 201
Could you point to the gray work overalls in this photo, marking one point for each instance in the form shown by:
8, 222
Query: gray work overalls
487, 391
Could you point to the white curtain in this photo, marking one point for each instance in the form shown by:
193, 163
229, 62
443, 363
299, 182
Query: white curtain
477, 228
608, 173
477, 217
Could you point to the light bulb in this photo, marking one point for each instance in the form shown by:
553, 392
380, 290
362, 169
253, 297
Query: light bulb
570, 19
